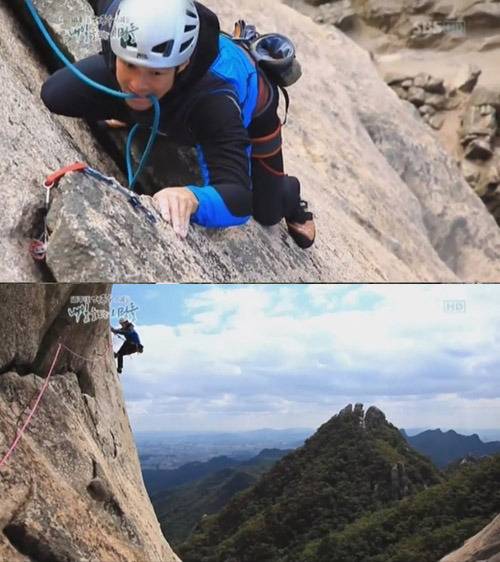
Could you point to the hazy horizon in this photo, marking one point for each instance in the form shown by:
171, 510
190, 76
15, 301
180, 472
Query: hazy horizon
485, 434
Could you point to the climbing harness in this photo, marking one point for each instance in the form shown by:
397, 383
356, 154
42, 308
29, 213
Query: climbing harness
39, 244
140, 347
132, 178
267, 147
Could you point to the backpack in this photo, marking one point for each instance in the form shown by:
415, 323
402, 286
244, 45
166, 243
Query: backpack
273, 53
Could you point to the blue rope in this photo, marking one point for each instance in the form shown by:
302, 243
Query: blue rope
132, 178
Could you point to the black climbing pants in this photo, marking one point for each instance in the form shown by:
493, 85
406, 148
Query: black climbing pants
128, 348
275, 195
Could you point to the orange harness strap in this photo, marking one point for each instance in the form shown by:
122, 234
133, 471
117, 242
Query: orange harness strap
266, 147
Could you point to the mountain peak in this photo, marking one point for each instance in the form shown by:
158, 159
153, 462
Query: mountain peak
355, 461
374, 417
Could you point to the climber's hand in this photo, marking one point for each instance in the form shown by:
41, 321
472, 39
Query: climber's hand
176, 205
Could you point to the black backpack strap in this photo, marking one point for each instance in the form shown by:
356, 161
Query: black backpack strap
287, 102
244, 34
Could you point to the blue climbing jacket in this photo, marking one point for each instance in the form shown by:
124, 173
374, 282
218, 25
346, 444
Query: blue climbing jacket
210, 108
130, 335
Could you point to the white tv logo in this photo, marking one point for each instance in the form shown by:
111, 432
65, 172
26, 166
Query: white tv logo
456, 306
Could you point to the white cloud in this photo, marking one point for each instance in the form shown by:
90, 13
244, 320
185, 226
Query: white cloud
311, 350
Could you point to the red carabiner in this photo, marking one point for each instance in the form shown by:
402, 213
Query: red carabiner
56, 176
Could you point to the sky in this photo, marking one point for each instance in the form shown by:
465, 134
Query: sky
242, 357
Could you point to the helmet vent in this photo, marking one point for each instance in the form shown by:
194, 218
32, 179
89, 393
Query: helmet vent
189, 28
164, 48
185, 45
190, 14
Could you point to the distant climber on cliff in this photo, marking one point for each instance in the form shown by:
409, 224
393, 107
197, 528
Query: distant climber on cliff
213, 96
132, 343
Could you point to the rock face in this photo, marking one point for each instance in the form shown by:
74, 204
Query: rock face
72, 489
455, 41
483, 547
425, 92
418, 22
32, 143
390, 204
399, 481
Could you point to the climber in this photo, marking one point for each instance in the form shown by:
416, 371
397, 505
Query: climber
212, 96
132, 343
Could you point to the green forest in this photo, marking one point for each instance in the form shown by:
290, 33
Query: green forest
355, 492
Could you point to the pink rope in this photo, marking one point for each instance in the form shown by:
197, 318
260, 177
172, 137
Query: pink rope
79, 356
33, 410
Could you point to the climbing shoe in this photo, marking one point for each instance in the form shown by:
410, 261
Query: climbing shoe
118, 371
301, 226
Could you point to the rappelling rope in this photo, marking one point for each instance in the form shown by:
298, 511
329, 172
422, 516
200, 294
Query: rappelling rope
31, 411
132, 178
81, 356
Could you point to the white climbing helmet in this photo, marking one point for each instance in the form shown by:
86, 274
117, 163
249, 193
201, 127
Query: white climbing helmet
155, 33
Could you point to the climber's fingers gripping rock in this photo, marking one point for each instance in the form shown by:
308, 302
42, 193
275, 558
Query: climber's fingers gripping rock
176, 205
